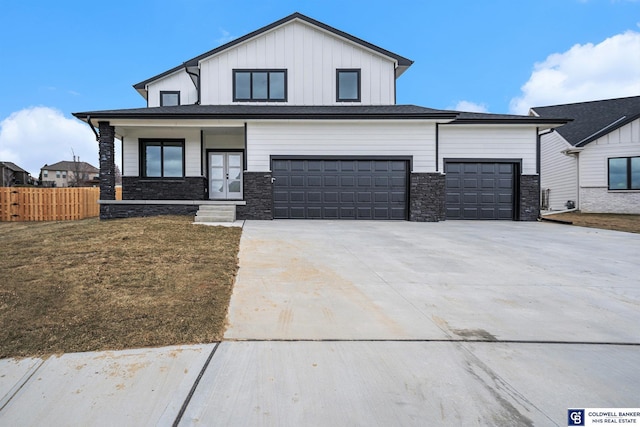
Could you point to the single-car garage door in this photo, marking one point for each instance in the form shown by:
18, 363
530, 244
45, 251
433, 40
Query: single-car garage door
479, 190
340, 189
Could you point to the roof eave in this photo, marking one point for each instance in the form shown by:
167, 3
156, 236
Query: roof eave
526, 120
607, 129
267, 116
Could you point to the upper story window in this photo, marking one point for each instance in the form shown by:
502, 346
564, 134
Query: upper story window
45, 173
348, 85
57, 174
260, 85
162, 158
169, 98
624, 173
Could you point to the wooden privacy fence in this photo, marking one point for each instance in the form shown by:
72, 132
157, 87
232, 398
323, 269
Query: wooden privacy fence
49, 204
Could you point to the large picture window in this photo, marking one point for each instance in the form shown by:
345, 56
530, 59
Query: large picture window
624, 173
348, 85
162, 158
260, 85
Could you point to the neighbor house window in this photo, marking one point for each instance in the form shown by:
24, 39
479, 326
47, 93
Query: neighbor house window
45, 174
260, 85
169, 98
162, 158
624, 173
64, 174
57, 174
348, 85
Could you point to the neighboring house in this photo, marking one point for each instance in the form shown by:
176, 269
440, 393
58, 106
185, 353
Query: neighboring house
12, 174
593, 162
299, 120
69, 174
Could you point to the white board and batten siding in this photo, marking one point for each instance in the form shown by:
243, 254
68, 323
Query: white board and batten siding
558, 171
178, 81
131, 148
622, 142
594, 159
387, 139
488, 142
310, 56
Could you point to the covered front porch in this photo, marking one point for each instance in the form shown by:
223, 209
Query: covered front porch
182, 168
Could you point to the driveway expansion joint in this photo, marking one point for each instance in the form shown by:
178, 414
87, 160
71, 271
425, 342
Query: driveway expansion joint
16, 388
496, 341
194, 386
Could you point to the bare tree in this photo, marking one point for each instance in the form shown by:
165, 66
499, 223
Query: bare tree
118, 176
79, 176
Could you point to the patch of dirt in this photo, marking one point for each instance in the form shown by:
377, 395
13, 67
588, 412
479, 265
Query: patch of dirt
107, 285
618, 222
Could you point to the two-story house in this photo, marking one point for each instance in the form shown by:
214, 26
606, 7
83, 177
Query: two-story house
69, 174
299, 120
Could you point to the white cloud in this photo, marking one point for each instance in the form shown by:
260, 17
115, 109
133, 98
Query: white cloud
609, 69
37, 136
225, 37
471, 107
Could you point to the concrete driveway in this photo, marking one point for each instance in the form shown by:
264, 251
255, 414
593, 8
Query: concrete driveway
454, 323
378, 323
504, 281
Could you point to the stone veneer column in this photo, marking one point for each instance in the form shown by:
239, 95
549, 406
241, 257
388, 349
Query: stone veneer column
258, 193
426, 197
529, 197
107, 161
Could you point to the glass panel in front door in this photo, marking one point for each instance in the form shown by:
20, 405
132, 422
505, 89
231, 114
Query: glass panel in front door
234, 175
225, 176
217, 176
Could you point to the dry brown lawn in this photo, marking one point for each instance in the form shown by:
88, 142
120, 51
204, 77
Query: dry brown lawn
628, 223
97, 285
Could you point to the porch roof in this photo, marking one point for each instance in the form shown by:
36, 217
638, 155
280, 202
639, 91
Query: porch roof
297, 112
276, 112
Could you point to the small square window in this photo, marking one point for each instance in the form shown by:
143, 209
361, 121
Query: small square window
169, 98
348, 85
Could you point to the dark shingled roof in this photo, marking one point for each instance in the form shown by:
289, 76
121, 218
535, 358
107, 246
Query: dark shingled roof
593, 119
13, 167
298, 112
273, 112
402, 61
66, 165
465, 117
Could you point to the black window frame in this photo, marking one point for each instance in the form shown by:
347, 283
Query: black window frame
162, 142
358, 72
629, 186
269, 71
169, 92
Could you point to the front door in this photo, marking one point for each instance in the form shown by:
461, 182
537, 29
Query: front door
225, 176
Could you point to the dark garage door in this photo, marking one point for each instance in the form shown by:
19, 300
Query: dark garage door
479, 190
340, 189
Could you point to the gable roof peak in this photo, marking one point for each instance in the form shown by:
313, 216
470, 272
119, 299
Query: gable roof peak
403, 63
592, 119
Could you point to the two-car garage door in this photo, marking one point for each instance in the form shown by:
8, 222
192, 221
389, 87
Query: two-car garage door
340, 188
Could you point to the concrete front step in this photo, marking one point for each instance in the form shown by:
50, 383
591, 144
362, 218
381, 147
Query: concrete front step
216, 213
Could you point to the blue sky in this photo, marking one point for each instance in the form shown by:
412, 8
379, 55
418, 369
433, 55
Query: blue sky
499, 56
